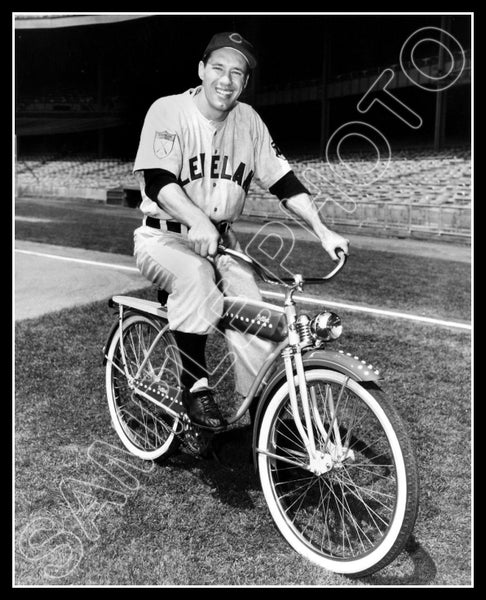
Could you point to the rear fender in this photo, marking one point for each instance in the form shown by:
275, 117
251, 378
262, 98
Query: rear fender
111, 333
335, 360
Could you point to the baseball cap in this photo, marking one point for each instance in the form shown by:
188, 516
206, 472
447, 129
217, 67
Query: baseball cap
229, 39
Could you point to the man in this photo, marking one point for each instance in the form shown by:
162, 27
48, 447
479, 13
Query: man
198, 153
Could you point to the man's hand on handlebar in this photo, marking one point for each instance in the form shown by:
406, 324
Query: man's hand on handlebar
332, 242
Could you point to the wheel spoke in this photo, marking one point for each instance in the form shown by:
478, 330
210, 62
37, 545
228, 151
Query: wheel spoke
355, 491
293, 480
300, 498
373, 494
307, 486
311, 517
350, 513
293, 436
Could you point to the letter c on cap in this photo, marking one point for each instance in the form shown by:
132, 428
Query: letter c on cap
236, 37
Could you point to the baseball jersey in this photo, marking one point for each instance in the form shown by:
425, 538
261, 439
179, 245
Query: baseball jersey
214, 163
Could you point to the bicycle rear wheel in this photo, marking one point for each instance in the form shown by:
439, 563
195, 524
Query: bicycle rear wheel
354, 509
145, 429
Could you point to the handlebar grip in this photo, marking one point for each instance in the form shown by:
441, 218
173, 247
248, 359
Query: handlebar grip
342, 256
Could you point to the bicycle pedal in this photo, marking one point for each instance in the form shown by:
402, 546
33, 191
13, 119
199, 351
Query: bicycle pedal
199, 443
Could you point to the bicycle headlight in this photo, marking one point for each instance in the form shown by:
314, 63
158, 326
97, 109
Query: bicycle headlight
326, 326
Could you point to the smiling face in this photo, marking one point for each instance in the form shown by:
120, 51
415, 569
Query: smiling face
224, 77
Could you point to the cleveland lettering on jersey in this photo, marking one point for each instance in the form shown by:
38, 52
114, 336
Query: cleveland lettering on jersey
219, 169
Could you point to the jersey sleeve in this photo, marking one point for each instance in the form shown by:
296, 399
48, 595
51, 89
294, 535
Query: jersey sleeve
270, 164
159, 146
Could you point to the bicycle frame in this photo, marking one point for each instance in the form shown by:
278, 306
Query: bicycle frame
296, 360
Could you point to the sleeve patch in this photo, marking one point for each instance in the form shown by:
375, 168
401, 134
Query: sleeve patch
163, 143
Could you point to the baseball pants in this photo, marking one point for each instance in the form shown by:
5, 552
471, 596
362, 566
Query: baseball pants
196, 288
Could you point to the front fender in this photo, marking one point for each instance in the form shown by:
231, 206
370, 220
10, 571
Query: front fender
344, 362
335, 360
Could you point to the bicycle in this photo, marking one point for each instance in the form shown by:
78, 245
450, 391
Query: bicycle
333, 457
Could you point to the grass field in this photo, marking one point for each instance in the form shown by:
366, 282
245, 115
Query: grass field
198, 521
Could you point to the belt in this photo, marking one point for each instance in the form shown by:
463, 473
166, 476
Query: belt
222, 226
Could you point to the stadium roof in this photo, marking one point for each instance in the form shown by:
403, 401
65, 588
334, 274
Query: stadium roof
52, 20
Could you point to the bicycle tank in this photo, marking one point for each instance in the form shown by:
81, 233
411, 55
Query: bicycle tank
258, 318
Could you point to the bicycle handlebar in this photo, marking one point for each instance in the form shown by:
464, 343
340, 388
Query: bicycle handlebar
269, 278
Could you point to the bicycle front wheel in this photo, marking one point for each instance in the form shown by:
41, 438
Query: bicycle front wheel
145, 429
353, 508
